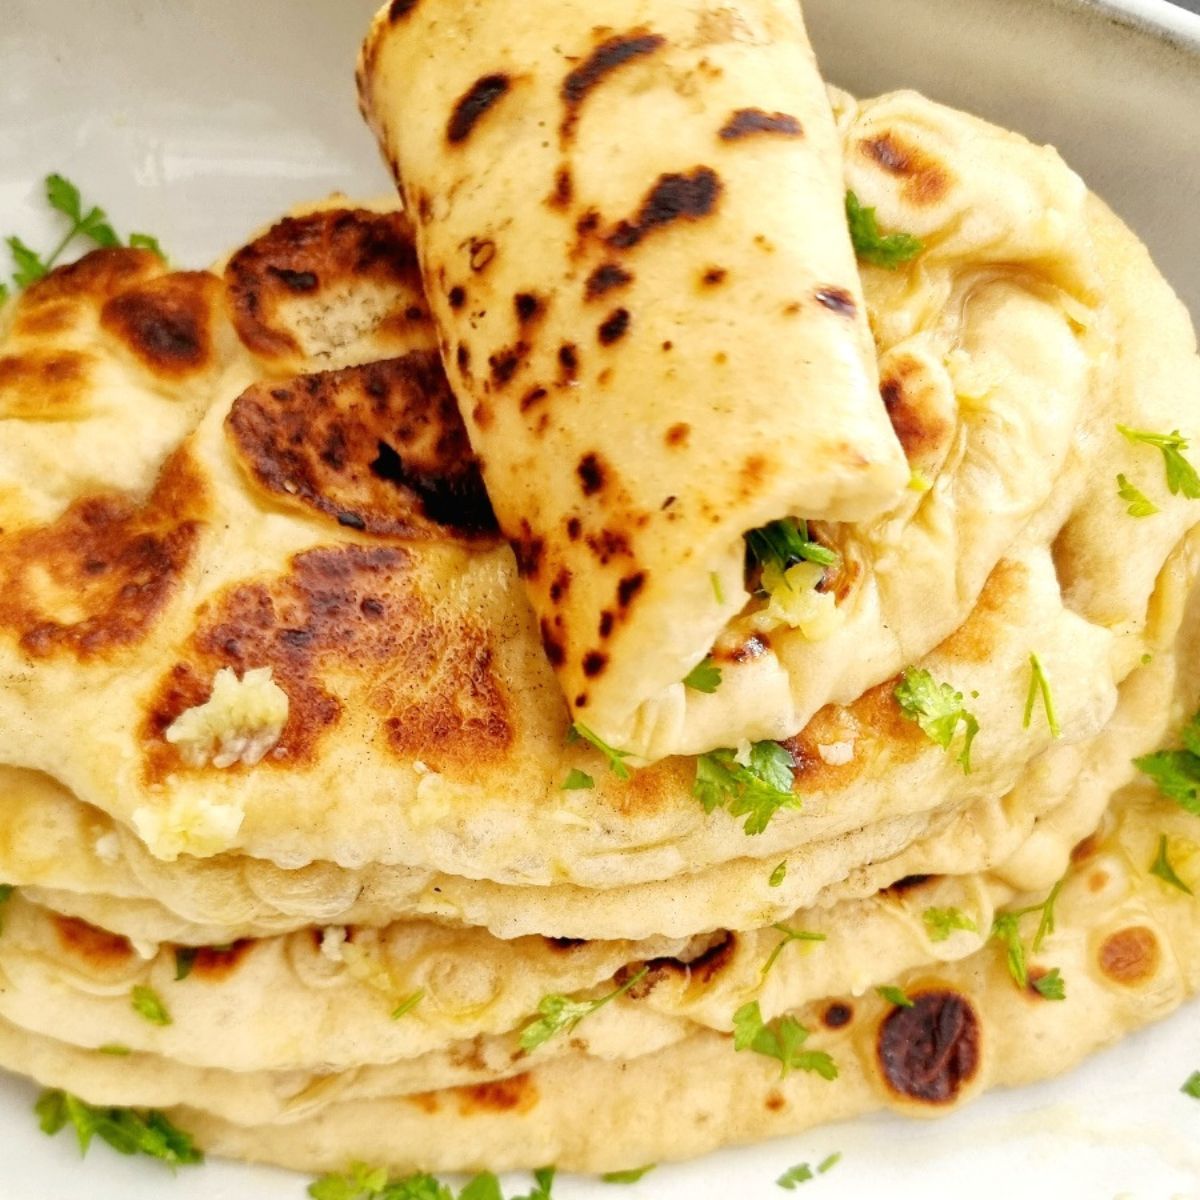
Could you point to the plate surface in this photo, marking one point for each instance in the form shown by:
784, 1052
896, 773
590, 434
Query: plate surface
199, 120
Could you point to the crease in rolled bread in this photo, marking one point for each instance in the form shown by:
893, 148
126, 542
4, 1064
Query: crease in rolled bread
631, 226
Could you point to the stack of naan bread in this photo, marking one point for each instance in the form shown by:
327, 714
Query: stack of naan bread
309, 566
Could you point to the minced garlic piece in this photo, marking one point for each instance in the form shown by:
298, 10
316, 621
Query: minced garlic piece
795, 601
239, 722
189, 825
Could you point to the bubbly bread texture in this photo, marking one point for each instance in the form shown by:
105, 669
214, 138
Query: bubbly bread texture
658, 343
333, 528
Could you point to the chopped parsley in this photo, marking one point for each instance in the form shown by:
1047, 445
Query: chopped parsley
126, 1130
889, 250
718, 590
1177, 772
1140, 505
581, 733
1181, 475
1006, 929
940, 923
789, 935
560, 1013
778, 875
802, 1172
1192, 1086
86, 221
372, 1183
703, 677
147, 1003
115, 1049
577, 780
781, 1039
782, 544
185, 960
895, 996
1038, 683
938, 709
1164, 870
627, 1176
756, 789
408, 1004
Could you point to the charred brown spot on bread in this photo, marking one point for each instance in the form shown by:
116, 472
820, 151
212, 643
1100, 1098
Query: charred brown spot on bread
480, 253
326, 251
96, 947
457, 296
564, 945
607, 622
45, 383
837, 1015
1130, 956
506, 362
907, 884
592, 473
399, 9
533, 398
564, 189
1089, 847
677, 436
93, 279
927, 180
700, 968
629, 588
574, 529
975, 639
99, 577
167, 322
674, 197
614, 327
921, 432
428, 683
837, 300
552, 644
610, 55
528, 550
568, 361
775, 1102
476, 102
748, 122
380, 448
517, 1094
930, 1051
605, 278
561, 585
427, 1102
214, 963
528, 307
609, 544
714, 276
595, 662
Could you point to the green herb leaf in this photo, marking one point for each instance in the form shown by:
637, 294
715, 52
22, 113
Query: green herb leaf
361, 1181
1038, 683
1181, 475
580, 732
778, 875
789, 936
828, 1163
27, 264
1140, 505
780, 1039
794, 1176
115, 1049
4, 294
872, 246
703, 677
1192, 1086
896, 996
1051, 986
576, 780
627, 1176
756, 790
143, 241
938, 709
126, 1130
185, 960
544, 1179
1163, 869
1006, 929
782, 544
559, 1013
64, 196
940, 923
147, 1003
718, 590
1177, 772
408, 1004
483, 1187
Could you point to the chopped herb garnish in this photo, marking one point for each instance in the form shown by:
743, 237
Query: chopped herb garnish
703, 677
1164, 870
938, 709
126, 1130
940, 923
1140, 505
782, 544
559, 1013
778, 875
1177, 772
581, 733
1181, 475
627, 1176
756, 789
1006, 930
827, 1164
185, 960
147, 1003
718, 590
896, 996
1038, 683
780, 1039
115, 1049
1192, 1086
577, 780
1051, 985
890, 250
794, 1176
789, 935
408, 1004
543, 1179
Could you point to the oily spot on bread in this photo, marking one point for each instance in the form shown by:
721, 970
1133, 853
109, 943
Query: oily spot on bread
380, 448
98, 578
1130, 956
358, 614
927, 180
930, 1051
96, 947
167, 323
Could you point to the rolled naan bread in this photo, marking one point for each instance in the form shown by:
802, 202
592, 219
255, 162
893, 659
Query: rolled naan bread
633, 237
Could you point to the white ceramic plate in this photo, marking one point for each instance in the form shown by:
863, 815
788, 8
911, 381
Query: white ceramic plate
198, 120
